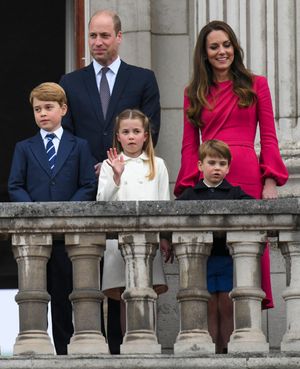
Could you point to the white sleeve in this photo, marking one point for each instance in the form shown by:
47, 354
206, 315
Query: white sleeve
163, 181
107, 189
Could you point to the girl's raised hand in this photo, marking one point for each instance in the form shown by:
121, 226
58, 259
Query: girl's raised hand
117, 164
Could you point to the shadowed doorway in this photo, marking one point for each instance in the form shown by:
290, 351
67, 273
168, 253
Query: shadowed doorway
33, 51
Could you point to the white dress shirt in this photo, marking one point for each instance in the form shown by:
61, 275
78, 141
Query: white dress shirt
56, 140
110, 75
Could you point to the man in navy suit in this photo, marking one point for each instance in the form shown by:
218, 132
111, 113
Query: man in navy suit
130, 87
71, 178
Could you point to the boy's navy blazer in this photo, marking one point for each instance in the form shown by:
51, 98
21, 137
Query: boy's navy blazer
134, 87
73, 178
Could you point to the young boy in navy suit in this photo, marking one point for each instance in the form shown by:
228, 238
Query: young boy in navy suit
214, 163
66, 174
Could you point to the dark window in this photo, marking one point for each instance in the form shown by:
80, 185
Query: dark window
33, 51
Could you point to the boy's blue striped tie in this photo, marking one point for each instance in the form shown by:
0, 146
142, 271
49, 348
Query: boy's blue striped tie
50, 150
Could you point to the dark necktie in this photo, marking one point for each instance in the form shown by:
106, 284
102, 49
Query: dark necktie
50, 150
104, 91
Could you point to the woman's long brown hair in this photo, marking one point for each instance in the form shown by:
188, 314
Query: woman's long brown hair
203, 76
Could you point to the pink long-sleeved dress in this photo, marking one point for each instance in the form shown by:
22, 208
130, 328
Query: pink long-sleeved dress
237, 127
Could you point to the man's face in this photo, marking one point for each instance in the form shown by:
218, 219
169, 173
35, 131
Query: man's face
103, 41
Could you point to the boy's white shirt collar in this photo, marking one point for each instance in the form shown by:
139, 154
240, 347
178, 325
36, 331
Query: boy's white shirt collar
58, 133
207, 185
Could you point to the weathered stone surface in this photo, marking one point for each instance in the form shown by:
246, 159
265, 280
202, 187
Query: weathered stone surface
110, 215
192, 250
243, 218
32, 252
138, 251
246, 249
85, 251
274, 361
289, 243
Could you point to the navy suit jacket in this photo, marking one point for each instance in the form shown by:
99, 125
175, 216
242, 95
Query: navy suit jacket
73, 178
134, 87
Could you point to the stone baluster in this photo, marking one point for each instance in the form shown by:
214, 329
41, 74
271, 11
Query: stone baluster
246, 249
85, 251
192, 250
32, 252
138, 250
289, 244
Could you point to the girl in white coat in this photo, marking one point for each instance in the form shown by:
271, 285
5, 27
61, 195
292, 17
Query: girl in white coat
132, 172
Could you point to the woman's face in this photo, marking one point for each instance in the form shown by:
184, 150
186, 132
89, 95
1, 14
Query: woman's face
220, 53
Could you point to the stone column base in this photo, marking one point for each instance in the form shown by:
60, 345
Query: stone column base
247, 342
143, 347
289, 344
194, 343
37, 342
88, 343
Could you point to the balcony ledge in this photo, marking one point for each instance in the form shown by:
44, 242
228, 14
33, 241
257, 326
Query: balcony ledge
272, 361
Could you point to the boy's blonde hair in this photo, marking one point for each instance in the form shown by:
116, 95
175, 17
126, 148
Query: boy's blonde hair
148, 144
214, 148
49, 91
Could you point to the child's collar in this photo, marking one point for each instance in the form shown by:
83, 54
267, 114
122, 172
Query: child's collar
143, 156
207, 185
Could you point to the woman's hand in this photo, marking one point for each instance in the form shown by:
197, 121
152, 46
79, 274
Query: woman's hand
166, 250
269, 189
117, 164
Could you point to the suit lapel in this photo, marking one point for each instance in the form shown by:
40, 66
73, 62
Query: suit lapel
38, 150
120, 84
93, 91
65, 147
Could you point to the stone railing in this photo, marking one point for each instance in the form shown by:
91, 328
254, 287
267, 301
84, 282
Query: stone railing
137, 225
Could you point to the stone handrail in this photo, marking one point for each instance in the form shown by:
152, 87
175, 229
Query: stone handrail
137, 225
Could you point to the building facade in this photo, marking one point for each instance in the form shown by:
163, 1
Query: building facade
161, 34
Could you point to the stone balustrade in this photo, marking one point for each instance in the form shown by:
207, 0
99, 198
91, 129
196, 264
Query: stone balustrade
190, 224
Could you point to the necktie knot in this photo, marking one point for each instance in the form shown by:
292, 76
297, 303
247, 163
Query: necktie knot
50, 136
104, 70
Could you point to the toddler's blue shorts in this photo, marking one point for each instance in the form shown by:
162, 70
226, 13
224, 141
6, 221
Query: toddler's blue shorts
219, 274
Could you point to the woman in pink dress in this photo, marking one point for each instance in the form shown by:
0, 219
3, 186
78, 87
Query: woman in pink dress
225, 101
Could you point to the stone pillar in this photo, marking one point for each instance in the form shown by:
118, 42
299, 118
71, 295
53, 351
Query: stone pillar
289, 244
138, 250
247, 248
192, 250
32, 252
85, 251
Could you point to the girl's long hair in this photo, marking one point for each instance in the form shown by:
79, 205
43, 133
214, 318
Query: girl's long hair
203, 76
148, 144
